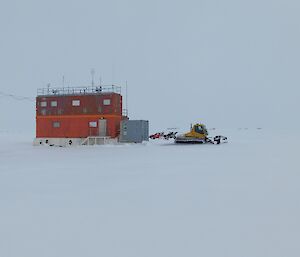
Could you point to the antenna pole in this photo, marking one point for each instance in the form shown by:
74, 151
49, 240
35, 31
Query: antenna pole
112, 74
127, 97
93, 75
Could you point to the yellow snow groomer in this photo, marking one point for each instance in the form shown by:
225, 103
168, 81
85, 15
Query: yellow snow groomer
199, 135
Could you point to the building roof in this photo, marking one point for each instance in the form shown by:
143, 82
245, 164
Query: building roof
65, 91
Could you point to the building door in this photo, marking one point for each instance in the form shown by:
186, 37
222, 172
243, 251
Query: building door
102, 128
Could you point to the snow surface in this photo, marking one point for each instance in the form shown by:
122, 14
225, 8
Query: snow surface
157, 199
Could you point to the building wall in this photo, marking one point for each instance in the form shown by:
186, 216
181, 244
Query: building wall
63, 120
89, 104
74, 126
134, 131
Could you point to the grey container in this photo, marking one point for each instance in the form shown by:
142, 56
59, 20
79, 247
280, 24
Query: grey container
134, 131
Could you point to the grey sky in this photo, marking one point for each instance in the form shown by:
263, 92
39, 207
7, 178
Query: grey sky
227, 63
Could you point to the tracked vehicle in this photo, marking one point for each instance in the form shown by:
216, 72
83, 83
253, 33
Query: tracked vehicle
199, 135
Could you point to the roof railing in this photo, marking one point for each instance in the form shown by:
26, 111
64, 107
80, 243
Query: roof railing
54, 91
125, 112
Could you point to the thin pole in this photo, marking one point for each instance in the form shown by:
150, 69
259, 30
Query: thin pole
113, 74
93, 74
127, 97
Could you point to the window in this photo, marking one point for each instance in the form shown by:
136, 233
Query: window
199, 129
53, 103
76, 103
43, 104
93, 124
106, 102
56, 124
43, 112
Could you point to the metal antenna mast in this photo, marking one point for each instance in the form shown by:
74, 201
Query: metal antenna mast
126, 97
112, 74
93, 75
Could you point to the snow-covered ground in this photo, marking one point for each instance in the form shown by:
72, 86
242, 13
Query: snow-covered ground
239, 199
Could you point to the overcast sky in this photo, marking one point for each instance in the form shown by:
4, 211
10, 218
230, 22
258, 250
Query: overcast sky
227, 63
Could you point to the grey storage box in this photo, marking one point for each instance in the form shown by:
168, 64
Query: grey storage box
134, 131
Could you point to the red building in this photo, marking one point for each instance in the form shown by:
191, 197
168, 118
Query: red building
79, 112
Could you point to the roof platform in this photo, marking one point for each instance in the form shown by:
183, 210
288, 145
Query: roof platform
91, 90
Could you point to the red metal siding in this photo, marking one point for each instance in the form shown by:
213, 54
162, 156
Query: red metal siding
89, 104
75, 127
74, 120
